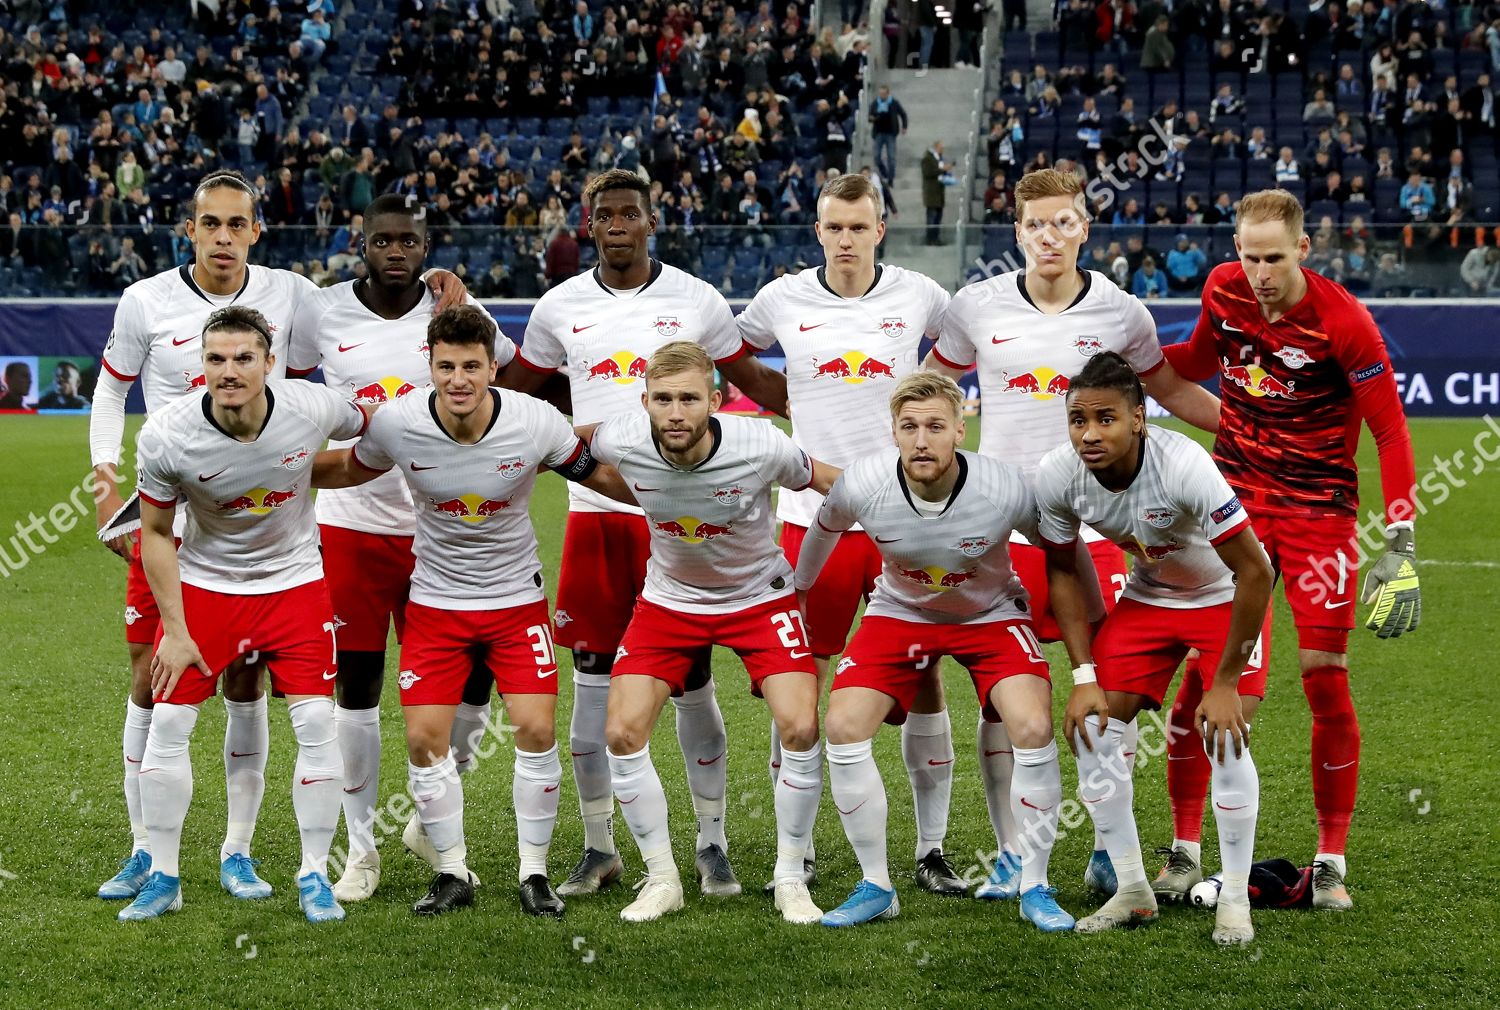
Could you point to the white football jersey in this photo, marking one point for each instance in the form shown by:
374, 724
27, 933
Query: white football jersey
1025, 356
843, 358
475, 546
600, 339
946, 568
159, 324
370, 359
249, 505
1169, 518
713, 549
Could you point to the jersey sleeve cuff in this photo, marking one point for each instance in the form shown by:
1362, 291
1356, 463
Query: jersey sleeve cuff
169, 503
743, 350
1244, 523
1154, 368
533, 366
354, 455
300, 373
950, 364
116, 372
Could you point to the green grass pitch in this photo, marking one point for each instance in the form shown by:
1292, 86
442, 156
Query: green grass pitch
1423, 855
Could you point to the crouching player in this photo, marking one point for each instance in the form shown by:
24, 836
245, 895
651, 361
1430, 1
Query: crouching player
470, 454
942, 520
715, 577
1200, 581
246, 589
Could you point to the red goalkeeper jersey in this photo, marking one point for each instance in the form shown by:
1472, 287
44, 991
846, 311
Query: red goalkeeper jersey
1294, 393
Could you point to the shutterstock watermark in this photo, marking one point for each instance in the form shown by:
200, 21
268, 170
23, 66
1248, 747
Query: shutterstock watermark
39, 532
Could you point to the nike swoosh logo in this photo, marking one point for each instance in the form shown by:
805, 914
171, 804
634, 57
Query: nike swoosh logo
710, 760
804, 328
992, 753
343, 348
330, 676
580, 329
1027, 803
313, 782
939, 764
882, 540
246, 754
136, 761
1181, 757
799, 655
1221, 806
1333, 768
357, 789
189, 340
550, 789
791, 786
846, 813
210, 476
417, 466
582, 753
1335, 606
1232, 329
639, 488
544, 674
624, 801
1003, 340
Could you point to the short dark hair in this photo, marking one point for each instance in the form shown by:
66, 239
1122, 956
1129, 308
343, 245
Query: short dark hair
618, 178
224, 178
239, 319
463, 326
395, 205
1107, 370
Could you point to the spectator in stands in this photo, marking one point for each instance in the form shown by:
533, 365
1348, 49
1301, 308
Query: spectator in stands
888, 120
1480, 271
1158, 53
1455, 198
1328, 187
1319, 111
1390, 277
316, 35
1349, 87
1226, 103
1129, 213
14, 242
129, 176
1479, 103
1160, 214
927, 26
1286, 169
1417, 199
1149, 283
357, 186
1186, 265
934, 190
523, 213
128, 267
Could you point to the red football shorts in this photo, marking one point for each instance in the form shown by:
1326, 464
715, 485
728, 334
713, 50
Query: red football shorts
603, 569
665, 644
893, 657
1030, 564
142, 619
1318, 563
369, 575
848, 577
442, 647
1140, 646
291, 631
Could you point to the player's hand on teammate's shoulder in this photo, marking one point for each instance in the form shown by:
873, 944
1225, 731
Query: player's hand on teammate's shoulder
447, 288
1085, 700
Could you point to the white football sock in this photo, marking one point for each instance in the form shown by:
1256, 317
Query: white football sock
317, 780
797, 794
859, 797
775, 767
359, 744
1128, 746
1035, 793
996, 766
137, 727
167, 783
927, 748
591, 769
438, 793
1108, 793
247, 741
1194, 849
533, 790
1236, 800
700, 731
1335, 859
470, 723
644, 804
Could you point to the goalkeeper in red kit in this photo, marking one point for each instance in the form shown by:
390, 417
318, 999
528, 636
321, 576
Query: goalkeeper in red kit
1301, 364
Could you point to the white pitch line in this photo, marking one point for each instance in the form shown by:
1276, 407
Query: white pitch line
1459, 564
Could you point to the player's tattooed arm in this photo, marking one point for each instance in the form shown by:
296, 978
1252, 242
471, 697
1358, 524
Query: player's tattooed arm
1065, 586
1220, 718
176, 651
1185, 399
759, 381
339, 468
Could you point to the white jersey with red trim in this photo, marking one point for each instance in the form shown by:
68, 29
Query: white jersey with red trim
713, 547
159, 324
475, 547
249, 505
1169, 519
1025, 356
843, 358
371, 360
948, 568
600, 339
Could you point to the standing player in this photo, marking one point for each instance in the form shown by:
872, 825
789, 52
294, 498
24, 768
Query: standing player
715, 577
1200, 581
1301, 364
1026, 331
941, 517
470, 455
156, 339
370, 337
599, 328
246, 589
850, 329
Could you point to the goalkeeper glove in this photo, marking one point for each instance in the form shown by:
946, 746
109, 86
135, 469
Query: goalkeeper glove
1391, 584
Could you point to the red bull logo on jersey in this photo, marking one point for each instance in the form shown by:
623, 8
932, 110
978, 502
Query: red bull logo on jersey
667, 326
1150, 552
191, 382
1040, 383
1293, 357
296, 458
425, 351
893, 326
623, 367
935, 578
692, 530
1160, 518
1256, 380
511, 468
259, 501
471, 508
381, 390
1088, 346
854, 367
728, 495
975, 546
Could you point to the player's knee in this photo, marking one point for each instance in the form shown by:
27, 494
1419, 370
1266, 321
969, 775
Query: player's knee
1030, 730
242, 682
799, 732
535, 734
361, 677
625, 736
841, 727
426, 744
